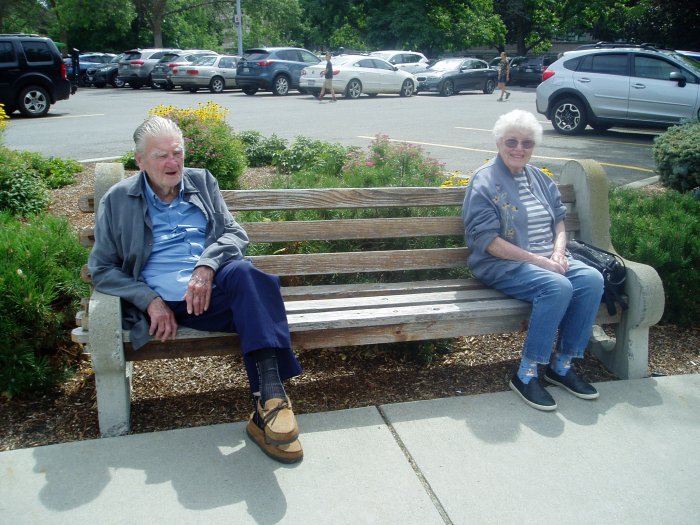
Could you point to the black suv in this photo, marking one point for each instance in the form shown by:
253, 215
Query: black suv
529, 69
32, 74
276, 69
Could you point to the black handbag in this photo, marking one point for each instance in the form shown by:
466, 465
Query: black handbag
610, 265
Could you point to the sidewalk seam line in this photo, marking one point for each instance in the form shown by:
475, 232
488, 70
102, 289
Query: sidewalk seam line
417, 471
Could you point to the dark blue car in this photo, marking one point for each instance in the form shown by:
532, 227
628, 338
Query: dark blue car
275, 69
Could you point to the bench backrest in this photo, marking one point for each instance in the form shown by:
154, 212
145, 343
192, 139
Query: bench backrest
358, 229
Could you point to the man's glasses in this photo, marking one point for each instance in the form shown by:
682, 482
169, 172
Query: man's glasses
513, 143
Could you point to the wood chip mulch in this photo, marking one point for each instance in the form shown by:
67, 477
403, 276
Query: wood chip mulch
192, 392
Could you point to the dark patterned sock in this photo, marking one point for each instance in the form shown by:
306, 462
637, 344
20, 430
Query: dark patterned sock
270, 382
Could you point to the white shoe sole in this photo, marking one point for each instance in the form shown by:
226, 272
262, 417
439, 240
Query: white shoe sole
544, 408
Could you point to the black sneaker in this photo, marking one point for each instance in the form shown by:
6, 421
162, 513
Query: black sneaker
571, 382
533, 393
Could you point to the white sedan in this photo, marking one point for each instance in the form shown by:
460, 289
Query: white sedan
357, 74
214, 72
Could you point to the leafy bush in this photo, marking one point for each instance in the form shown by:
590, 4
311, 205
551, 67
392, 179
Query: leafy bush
209, 141
40, 278
306, 154
663, 231
677, 156
22, 192
25, 178
54, 171
261, 151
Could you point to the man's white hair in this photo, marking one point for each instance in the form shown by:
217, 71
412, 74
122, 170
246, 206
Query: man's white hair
155, 126
519, 120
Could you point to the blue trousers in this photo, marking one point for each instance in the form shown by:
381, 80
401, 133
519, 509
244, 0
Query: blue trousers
248, 302
567, 303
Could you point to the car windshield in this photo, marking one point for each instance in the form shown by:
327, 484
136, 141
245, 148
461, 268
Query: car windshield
168, 57
446, 65
116, 59
204, 61
687, 61
255, 55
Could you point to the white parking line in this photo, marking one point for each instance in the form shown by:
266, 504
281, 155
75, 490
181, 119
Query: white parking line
584, 138
76, 116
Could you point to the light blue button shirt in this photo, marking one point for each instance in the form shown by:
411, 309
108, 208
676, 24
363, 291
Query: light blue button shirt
178, 242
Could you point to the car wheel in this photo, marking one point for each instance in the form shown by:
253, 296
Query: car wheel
280, 86
353, 89
192, 89
168, 86
448, 88
250, 90
33, 101
569, 116
489, 86
217, 85
407, 88
151, 83
114, 80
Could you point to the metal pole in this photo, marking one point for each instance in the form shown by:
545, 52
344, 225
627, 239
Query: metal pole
239, 27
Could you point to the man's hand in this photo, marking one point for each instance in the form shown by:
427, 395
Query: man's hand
163, 323
199, 288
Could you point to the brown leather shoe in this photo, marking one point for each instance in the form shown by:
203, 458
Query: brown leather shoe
290, 453
280, 424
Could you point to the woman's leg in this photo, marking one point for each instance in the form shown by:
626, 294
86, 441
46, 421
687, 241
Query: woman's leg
550, 294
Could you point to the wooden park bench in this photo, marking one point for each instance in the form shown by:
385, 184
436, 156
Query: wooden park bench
361, 313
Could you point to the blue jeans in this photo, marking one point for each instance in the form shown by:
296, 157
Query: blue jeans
568, 303
248, 302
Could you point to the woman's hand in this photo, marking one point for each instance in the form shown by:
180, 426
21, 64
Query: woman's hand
548, 264
560, 258
199, 289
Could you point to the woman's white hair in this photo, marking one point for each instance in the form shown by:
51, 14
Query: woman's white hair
155, 126
519, 120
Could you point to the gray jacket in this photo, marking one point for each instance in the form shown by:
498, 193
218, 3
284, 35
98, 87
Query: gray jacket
492, 208
124, 240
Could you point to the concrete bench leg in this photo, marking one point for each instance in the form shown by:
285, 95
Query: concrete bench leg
629, 358
112, 373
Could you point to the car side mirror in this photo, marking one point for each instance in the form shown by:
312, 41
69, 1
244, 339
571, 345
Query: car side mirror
677, 77
396, 68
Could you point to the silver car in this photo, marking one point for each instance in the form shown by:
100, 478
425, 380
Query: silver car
137, 64
606, 86
216, 72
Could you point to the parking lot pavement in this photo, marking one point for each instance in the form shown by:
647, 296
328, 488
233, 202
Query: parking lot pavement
98, 123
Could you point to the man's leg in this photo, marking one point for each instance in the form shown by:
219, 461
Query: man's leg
248, 302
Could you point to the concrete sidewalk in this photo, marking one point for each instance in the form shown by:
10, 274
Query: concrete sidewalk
632, 456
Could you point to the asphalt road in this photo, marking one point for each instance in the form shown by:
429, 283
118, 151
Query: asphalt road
98, 124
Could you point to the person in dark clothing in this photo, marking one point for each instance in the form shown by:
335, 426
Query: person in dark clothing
327, 80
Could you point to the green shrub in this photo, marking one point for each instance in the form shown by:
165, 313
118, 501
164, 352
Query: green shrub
663, 231
22, 192
40, 278
261, 151
54, 171
677, 156
306, 154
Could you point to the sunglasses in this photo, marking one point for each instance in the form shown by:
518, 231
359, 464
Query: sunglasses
513, 143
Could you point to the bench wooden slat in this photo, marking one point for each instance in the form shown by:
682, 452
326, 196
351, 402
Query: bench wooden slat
389, 301
361, 262
286, 199
372, 289
346, 198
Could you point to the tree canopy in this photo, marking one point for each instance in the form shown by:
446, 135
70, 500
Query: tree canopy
435, 27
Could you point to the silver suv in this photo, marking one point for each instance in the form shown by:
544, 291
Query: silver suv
136, 66
606, 86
